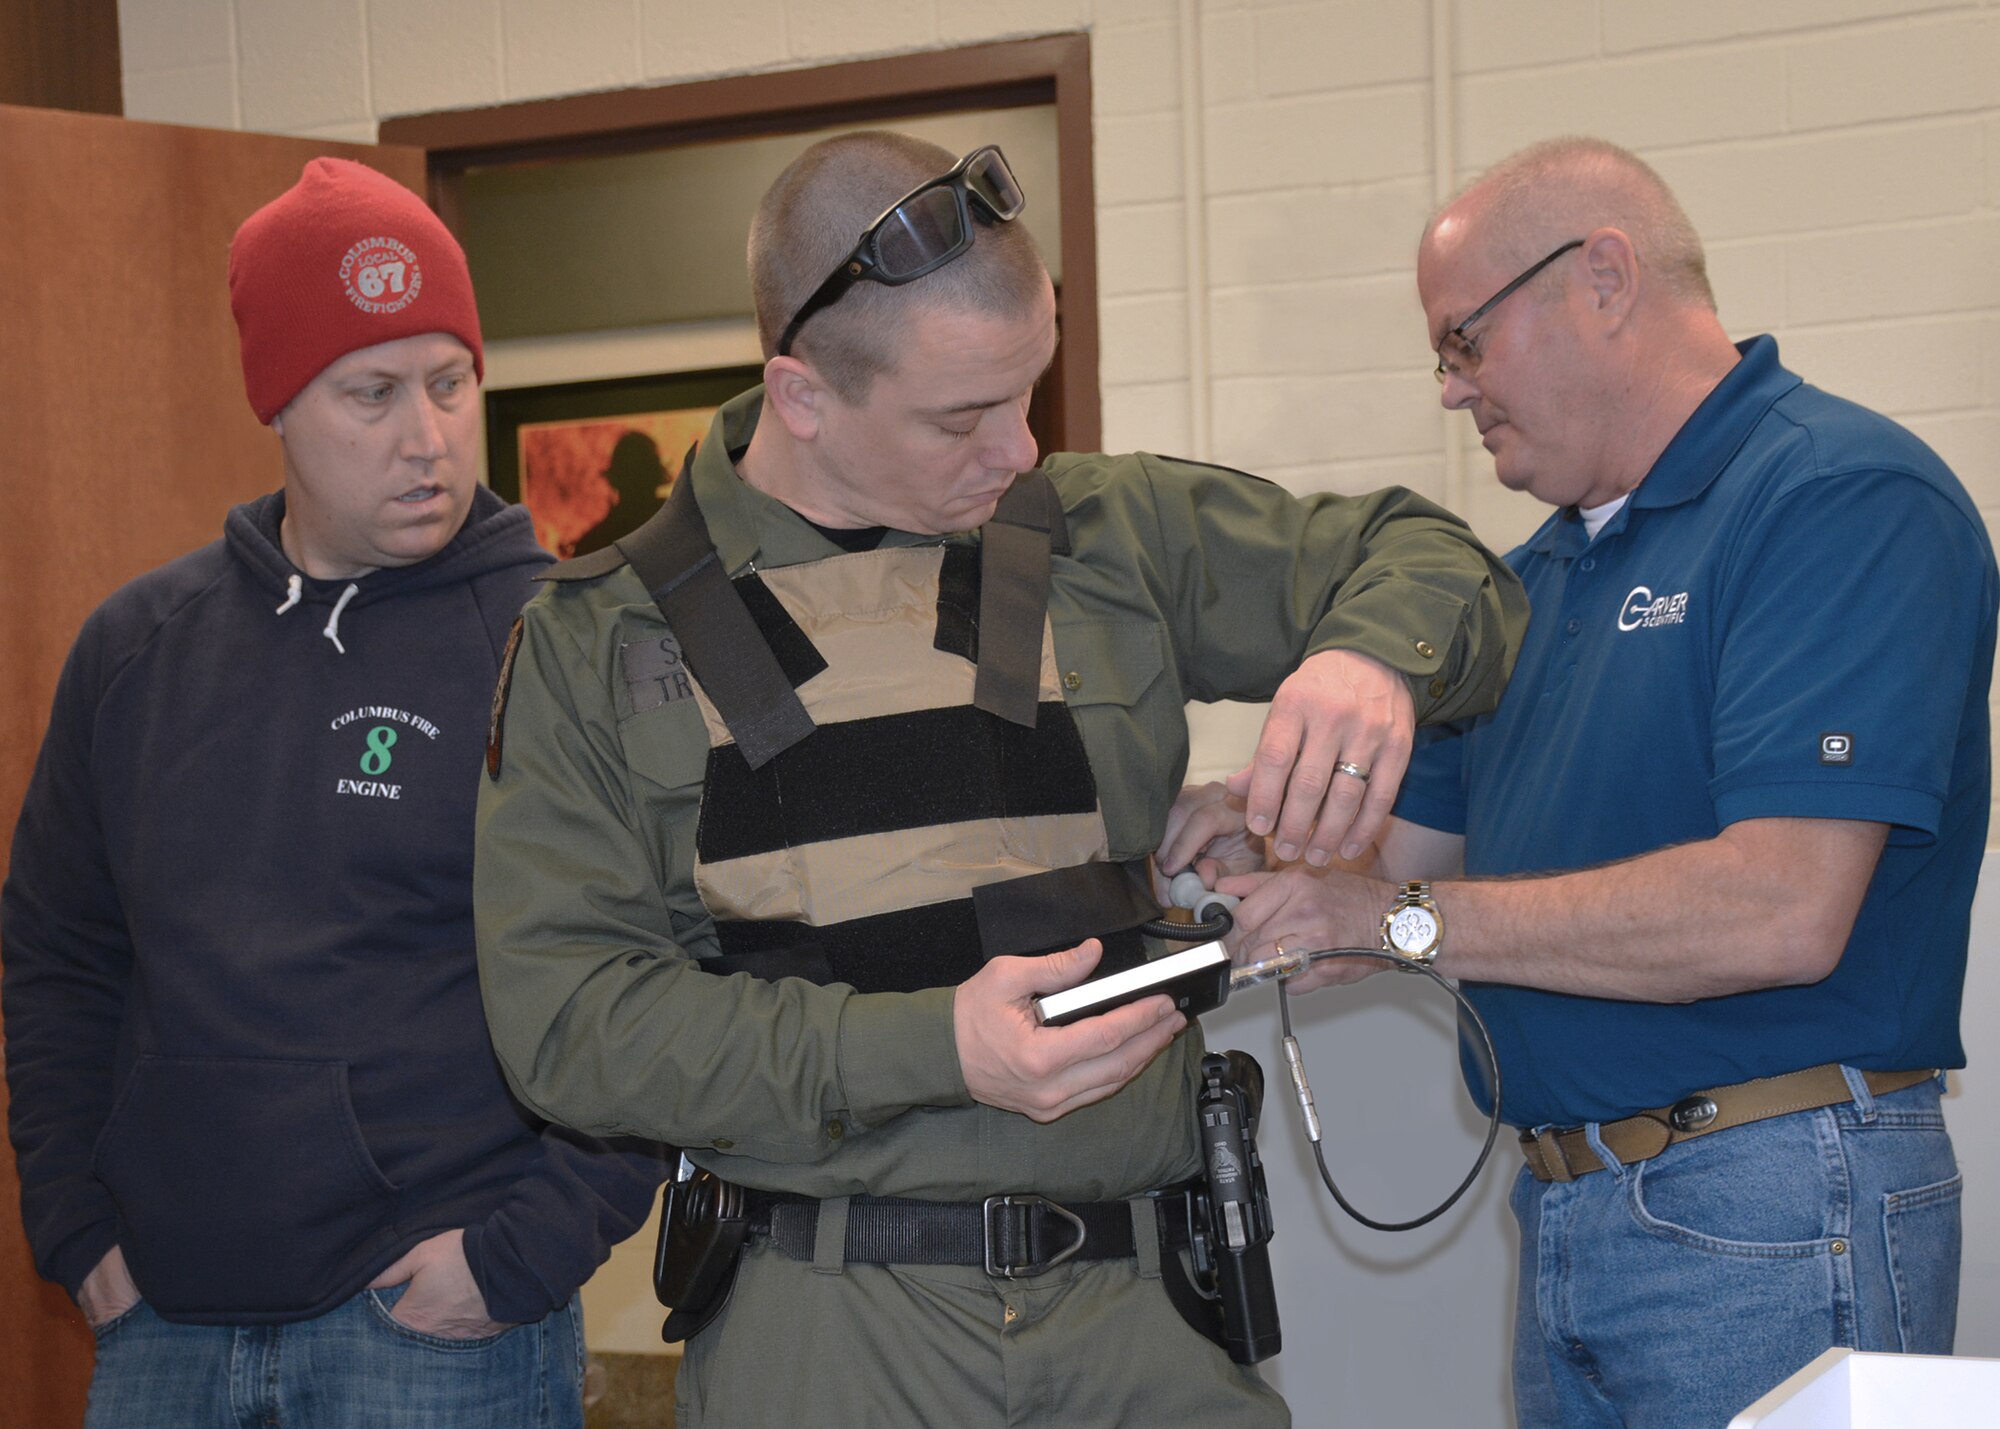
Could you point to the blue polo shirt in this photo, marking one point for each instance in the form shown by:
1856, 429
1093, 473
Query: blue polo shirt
1793, 616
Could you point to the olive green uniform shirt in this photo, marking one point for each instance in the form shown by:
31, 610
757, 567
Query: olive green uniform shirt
1183, 582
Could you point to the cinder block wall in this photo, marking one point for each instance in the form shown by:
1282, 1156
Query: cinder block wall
1842, 157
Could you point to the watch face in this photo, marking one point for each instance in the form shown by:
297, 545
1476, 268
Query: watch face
1412, 930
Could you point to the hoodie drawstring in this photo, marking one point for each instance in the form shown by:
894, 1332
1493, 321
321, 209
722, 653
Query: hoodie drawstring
332, 631
295, 590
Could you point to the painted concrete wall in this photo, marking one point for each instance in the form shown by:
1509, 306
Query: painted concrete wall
1842, 157
1263, 170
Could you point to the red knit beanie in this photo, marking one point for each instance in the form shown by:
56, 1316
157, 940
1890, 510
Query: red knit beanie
342, 260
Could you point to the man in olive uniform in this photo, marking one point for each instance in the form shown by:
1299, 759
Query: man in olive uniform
805, 791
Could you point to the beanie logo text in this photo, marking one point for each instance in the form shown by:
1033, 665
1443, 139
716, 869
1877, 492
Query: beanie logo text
381, 275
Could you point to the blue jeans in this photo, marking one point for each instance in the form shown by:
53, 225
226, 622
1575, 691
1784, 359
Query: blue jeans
352, 1368
1672, 1293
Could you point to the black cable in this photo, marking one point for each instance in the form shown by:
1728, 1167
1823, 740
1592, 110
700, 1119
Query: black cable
1168, 929
1223, 920
1492, 1066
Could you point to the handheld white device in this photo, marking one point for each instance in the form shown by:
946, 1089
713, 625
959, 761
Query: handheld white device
1196, 979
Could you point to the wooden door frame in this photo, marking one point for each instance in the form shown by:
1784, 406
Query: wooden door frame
128, 441
1052, 69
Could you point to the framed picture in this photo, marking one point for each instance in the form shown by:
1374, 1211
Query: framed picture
592, 460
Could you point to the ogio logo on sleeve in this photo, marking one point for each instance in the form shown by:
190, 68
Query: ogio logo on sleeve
1836, 749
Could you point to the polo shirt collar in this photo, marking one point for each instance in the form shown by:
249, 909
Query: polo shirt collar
747, 526
1704, 445
1710, 438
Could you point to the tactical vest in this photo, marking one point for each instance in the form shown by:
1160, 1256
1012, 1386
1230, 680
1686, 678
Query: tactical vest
895, 789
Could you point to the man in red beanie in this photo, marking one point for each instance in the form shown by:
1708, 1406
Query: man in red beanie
262, 1135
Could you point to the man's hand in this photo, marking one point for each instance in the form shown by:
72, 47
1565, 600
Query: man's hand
1206, 831
1306, 910
442, 1298
1013, 1062
108, 1291
1337, 708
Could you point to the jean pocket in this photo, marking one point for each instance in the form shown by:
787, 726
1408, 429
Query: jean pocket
1923, 1230
243, 1185
382, 1303
102, 1332
1762, 1197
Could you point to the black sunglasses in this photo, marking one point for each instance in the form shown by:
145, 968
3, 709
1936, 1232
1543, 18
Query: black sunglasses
921, 231
1457, 355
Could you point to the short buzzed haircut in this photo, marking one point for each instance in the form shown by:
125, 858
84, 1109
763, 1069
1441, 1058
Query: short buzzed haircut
809, 221
1559, 189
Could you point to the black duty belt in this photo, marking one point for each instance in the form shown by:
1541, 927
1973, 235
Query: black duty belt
1013, 1236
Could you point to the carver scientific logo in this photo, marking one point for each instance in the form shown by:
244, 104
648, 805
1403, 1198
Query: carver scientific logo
1645, 611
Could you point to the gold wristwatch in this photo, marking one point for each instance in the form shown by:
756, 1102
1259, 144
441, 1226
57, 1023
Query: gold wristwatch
1413, 928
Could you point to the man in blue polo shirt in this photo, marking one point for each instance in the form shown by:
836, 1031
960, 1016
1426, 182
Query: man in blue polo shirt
1707, 870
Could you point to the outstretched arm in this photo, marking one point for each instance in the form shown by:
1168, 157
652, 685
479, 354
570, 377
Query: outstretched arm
1765, 903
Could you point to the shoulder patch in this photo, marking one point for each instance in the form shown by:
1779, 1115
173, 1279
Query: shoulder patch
497, 723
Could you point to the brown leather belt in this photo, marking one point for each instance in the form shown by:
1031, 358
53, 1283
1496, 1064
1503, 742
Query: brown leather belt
1565, 1155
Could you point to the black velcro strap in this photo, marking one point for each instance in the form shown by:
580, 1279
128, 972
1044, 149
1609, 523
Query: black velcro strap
1060, 908
869, 776
1014, 598
887, 1231
790, 646
675, 558
905, 950
958, 603
601, 562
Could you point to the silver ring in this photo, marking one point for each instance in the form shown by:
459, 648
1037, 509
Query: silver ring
1353, 769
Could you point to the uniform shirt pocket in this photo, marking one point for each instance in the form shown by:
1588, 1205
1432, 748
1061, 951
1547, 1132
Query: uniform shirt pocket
1118, 679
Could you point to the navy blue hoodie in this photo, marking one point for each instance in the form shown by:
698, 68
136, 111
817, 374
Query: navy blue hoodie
244, 1032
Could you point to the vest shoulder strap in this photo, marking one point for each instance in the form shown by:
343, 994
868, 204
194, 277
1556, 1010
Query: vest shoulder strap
585, 568
674, 556
1014, 553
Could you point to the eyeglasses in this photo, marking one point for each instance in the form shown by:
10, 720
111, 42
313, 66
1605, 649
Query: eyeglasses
1458, 355
920, 232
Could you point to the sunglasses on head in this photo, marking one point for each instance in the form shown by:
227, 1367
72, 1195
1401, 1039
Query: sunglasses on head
920, 232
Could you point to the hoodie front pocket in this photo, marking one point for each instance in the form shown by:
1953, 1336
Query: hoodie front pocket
243, 1185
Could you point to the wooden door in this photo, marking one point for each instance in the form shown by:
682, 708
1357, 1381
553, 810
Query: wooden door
124, 438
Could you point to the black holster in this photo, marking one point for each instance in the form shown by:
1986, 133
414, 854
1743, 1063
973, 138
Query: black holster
704, 1221
1225, 1289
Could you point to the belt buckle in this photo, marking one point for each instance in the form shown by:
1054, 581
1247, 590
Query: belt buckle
1692, 1114
1554, 1159
1027, 1201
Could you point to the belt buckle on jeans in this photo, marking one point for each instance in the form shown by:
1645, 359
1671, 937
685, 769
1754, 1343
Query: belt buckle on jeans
1692, 1114
1549, 1140
1031, 1203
